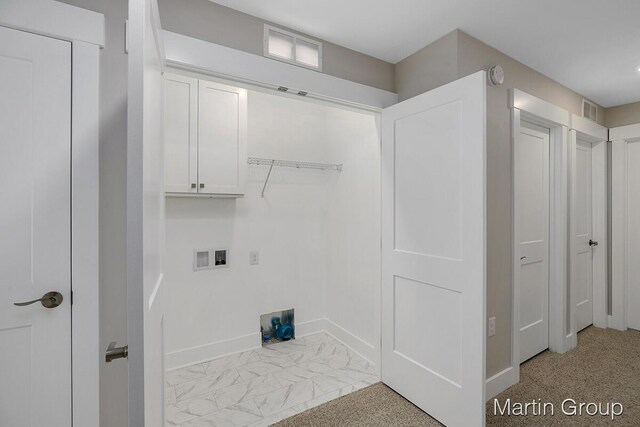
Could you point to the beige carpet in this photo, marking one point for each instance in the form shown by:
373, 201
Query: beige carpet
604, 368
373, 406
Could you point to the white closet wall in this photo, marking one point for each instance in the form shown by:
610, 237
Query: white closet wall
317, 233
353, 289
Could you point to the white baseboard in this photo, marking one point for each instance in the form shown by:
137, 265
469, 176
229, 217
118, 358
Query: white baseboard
616, 323
500, 382
203, 353
570, 342
215, 350
310, 327
354, 343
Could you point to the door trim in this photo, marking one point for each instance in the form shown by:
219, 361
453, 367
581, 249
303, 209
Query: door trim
54, 19
529, 108
620, 137
85, 30
597, 135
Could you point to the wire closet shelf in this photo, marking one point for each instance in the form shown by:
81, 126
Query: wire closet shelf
290, 164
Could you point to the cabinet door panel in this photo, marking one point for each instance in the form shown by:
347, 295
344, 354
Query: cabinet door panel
180, 134
222, 157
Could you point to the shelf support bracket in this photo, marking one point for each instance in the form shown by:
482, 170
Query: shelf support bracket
267, 180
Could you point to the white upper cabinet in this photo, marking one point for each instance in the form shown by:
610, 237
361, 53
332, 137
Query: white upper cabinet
180, 134
222, 139
205, 138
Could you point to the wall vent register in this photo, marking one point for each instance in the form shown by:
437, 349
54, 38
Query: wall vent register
292, 48
589, 110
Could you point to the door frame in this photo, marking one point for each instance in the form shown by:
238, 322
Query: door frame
84, 29
525, 107
597, 135
620, 137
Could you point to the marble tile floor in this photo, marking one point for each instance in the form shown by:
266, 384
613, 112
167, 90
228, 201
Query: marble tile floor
263, 386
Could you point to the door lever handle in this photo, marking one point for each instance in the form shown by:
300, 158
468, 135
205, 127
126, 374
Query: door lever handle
48, 300
593, 243
114, 352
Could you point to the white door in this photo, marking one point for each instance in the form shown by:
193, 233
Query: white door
533, 233
583, 236
145, 217
180, 134
625, 227
433, 251
633, 234
35, 245
222, 138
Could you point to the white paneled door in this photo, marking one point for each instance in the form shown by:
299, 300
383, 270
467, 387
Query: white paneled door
533, 231
633, 234
433, 251
583, 237
35, 218
625, 227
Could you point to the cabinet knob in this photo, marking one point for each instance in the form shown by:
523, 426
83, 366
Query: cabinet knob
201, 185
193, 185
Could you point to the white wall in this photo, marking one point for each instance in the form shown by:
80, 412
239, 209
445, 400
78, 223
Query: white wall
317, 233
353, 289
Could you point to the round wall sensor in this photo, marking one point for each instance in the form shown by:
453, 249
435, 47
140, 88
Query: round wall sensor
496, 75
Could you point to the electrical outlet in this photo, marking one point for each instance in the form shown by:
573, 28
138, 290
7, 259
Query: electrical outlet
492, 326
254, 258
220, 258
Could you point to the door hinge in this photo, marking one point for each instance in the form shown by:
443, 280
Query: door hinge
71, 297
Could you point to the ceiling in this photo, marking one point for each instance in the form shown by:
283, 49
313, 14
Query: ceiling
590, 46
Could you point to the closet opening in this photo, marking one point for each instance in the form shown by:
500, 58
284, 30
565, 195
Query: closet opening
290, 187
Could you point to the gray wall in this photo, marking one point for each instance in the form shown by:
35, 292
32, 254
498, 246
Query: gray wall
205, 20
428, 68
622, 115
474, 55
113, 149
471, 55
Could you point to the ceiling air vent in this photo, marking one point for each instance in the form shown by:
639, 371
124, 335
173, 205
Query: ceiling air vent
589, 110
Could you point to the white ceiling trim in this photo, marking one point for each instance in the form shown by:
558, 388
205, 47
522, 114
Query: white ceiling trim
210, 58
